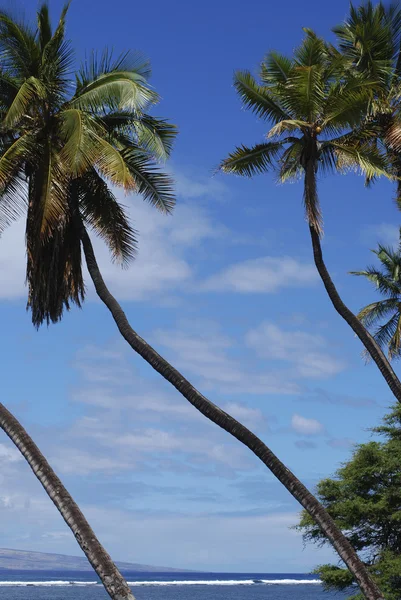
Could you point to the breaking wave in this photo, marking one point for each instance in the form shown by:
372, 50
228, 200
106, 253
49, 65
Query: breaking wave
226, 582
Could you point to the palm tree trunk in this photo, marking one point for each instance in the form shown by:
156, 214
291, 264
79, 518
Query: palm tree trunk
367, 340
232, 426
113, 581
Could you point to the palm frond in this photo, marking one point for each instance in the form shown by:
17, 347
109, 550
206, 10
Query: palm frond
385, 334
247, 161
14, 156
384, 285
365, 158
376, 311
346, 105
392, 134
79, 149
275, 68
369, 39
118, 90
13, 201
19, 49
44, 25
49, 192
258, 99
100, 209
112, 164
288, 125
153, 135
30, 91
290, 161
306, 92
152, 184
394, 347
97, 65
9, 87
312, 51
54, 271
391, 261
327, 159
57, 57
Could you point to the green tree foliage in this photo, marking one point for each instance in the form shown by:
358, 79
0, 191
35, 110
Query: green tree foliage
64, 139
370, 43
383, 317
313, 112
364, 499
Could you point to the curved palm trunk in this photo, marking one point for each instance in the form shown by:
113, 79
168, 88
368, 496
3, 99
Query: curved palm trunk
232, 426
313, 216
113, 581
367, 340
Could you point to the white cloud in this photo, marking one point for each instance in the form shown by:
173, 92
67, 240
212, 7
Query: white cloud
198, 185
13, 262
262, 275
9, 454
307, 351
161, 264
252, 417
75, 461
201, 540
306, 426
206, 355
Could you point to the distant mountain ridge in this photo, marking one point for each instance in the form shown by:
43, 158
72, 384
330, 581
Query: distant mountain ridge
22, 560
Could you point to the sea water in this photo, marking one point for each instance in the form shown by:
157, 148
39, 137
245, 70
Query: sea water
52, 585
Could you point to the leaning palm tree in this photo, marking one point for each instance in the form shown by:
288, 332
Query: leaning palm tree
383, 317
59, 152
113, 581
316, 117
370, 43
57, 143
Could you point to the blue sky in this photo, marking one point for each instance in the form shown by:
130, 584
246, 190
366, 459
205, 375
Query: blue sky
227, 290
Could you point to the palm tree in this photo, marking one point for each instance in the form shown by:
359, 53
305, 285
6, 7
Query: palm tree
113, 581
370, 42
55, 147
316, 116
235, 428
387, 282
67, 148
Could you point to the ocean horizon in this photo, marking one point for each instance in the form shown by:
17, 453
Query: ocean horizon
78, 585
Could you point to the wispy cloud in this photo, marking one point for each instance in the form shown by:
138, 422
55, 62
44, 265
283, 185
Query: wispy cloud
306, 426
308, 352
161, 264
322, 396
305, 445
265, 275
342, 443
208, 356
196, 184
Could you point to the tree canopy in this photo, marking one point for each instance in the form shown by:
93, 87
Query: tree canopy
383, 317
65, 138
364, 499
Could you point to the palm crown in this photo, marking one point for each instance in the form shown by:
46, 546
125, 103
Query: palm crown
370, 40
314, 113
384, 316
370, 44
62, 143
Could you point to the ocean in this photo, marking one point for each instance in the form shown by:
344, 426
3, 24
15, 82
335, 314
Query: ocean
54, 585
